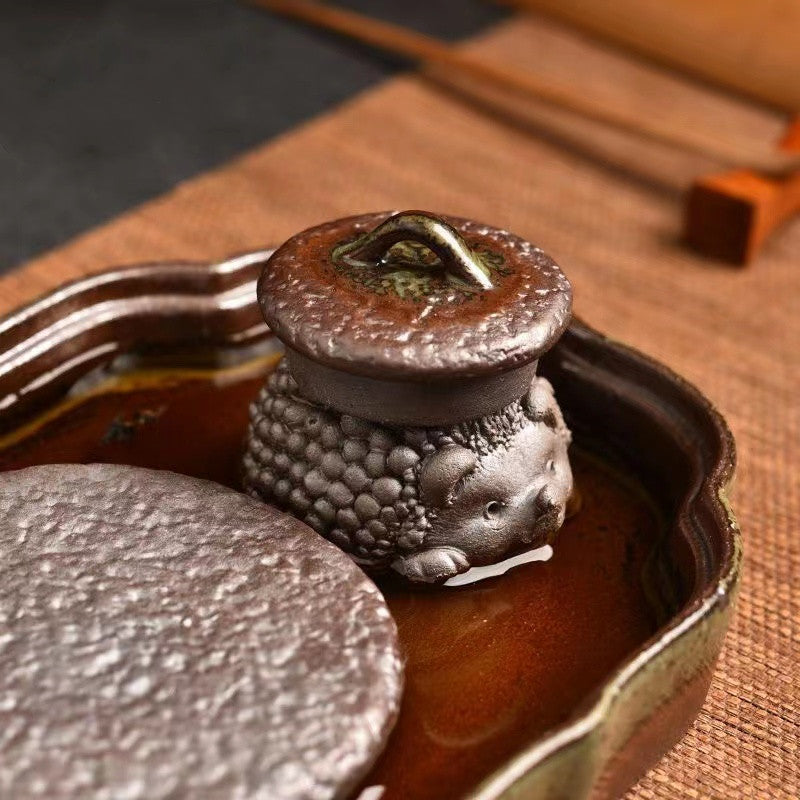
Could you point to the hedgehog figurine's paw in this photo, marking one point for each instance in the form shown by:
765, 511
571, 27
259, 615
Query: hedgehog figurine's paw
432, 566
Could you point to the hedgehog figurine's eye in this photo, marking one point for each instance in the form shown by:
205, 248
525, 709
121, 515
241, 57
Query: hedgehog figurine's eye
551, 465
492, 509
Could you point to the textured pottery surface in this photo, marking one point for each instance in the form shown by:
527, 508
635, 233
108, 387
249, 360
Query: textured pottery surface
167, 637
392, 322
598, 714
449, 325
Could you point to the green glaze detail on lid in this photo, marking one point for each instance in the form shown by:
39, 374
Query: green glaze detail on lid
412, 271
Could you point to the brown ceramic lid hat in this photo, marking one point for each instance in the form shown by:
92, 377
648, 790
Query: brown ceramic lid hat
411, 318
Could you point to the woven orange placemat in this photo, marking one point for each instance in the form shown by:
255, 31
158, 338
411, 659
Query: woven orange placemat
608, 207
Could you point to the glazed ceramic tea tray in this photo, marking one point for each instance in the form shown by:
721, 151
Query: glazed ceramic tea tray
567, 678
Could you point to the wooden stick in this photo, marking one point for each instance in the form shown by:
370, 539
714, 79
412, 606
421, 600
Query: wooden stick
418, 47
730, 216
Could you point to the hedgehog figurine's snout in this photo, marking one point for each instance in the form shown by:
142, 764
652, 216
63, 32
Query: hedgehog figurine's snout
511, 489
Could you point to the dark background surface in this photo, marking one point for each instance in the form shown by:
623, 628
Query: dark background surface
106, 103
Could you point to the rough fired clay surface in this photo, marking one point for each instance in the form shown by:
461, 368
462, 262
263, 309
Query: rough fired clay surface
162, 636
330, 319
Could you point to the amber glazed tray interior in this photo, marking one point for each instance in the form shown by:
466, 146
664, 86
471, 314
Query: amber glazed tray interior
560, 679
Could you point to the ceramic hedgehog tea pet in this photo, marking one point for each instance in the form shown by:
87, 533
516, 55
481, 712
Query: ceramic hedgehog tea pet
406, 422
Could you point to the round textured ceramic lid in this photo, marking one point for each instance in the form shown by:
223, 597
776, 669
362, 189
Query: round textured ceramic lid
167, 637
394, 309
